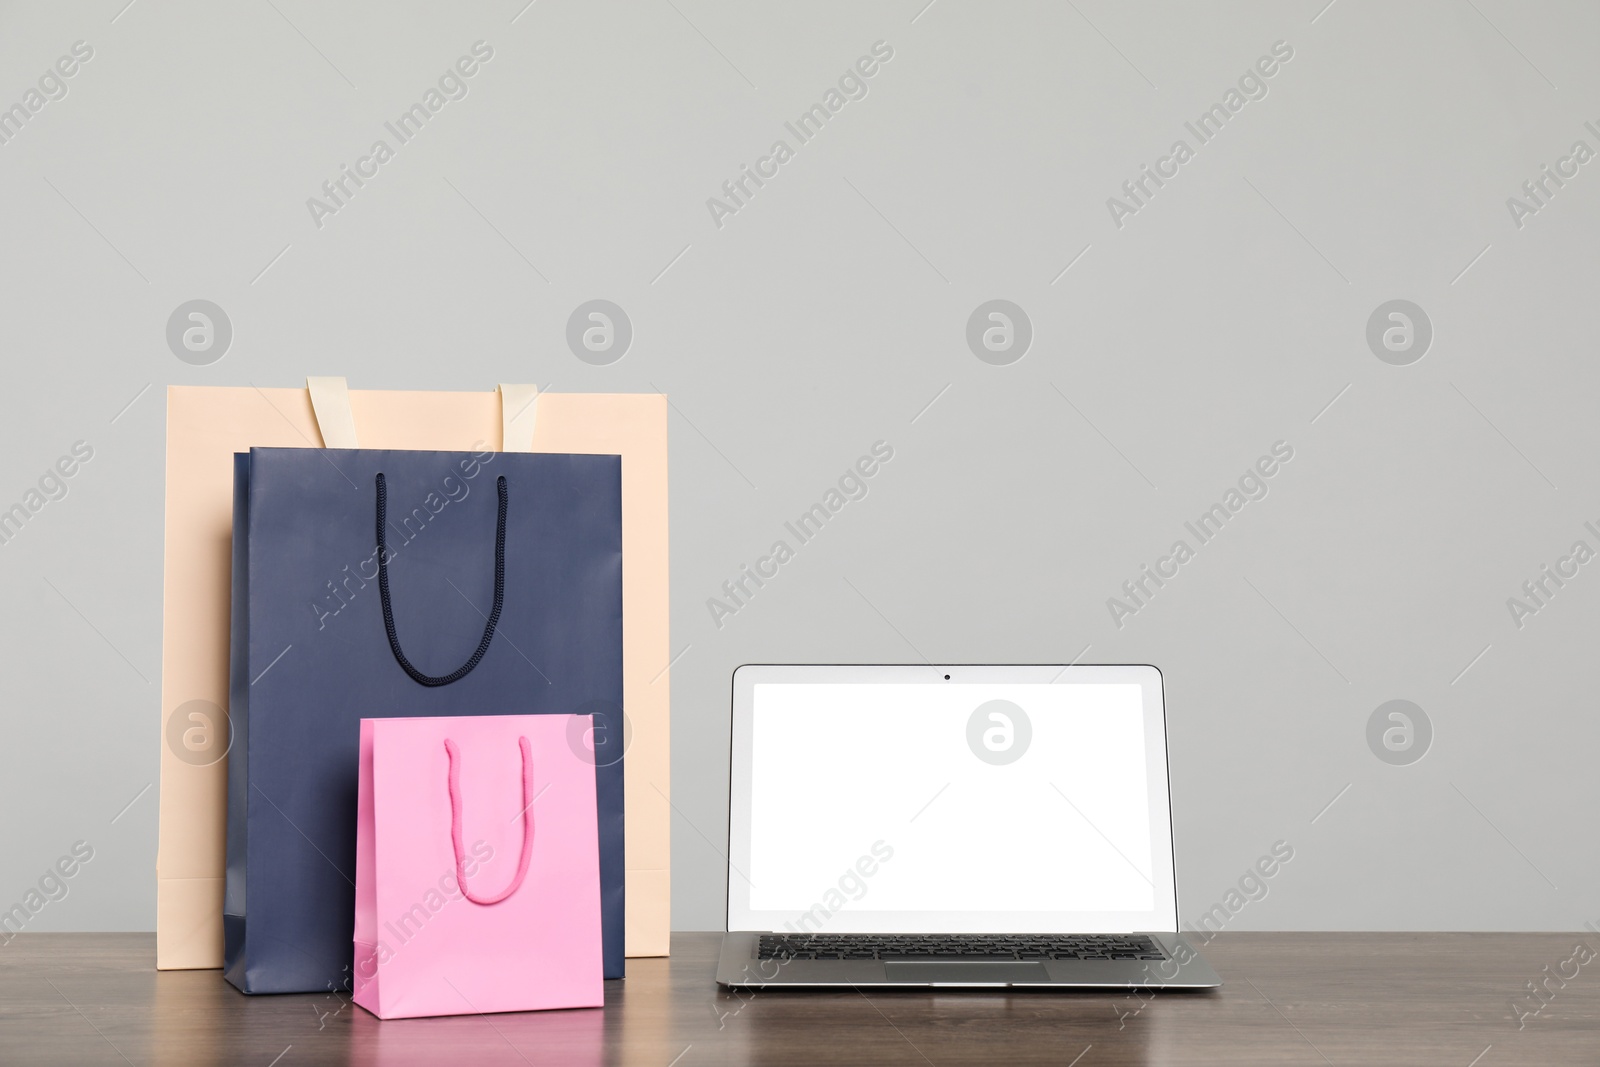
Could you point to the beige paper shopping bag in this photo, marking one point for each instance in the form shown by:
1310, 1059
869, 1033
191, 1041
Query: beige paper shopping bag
206, 426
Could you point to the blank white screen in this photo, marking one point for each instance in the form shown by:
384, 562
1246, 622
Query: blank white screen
837, 768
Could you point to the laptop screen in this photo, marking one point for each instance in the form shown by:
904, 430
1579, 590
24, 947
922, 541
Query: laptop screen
989, 803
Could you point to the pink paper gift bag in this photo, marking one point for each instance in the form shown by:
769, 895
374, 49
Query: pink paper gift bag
477, 866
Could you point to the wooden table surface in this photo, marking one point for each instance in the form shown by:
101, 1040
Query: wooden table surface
1354, 999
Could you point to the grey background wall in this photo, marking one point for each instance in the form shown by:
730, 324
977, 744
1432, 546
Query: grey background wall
1174, 341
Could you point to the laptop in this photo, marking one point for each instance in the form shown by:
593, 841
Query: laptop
971, 826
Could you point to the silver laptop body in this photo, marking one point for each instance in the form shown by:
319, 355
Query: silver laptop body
972, 826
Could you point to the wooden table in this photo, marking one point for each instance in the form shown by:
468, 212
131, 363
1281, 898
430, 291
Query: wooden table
1354, 999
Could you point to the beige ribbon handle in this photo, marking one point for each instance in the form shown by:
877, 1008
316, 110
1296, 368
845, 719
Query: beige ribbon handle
517, 411
330, 404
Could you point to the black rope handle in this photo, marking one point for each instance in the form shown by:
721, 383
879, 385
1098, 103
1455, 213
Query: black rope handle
388, 611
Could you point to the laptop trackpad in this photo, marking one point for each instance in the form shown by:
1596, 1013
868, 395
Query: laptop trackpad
966, 972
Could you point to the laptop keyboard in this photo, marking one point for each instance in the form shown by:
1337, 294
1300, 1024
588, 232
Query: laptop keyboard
899, 947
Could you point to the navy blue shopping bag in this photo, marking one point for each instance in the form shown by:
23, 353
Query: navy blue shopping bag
491, 585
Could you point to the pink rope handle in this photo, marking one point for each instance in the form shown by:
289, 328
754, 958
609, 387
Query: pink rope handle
455, 822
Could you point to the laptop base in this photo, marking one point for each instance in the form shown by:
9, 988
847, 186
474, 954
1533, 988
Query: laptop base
740, 966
